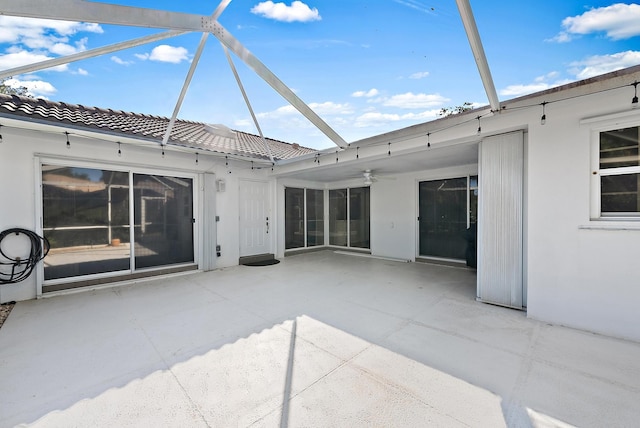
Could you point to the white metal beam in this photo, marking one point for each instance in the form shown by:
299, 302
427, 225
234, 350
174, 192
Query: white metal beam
103, 13
471, 28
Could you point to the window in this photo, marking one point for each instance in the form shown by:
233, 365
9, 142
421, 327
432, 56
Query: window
304, 217
87, 215
618, 173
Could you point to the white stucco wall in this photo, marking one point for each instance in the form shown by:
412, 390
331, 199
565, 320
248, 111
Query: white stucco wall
19, 175
578, 276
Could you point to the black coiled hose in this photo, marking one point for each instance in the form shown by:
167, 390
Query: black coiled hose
16, 269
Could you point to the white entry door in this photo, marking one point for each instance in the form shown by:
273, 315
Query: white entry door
255, 222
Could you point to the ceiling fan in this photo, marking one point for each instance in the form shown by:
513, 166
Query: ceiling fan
370, 177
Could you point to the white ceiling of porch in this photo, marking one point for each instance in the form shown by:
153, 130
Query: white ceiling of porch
396, 164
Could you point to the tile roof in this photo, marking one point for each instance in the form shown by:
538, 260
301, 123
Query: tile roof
196, 135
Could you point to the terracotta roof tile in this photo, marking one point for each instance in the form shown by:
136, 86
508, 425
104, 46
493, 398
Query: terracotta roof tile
197, 135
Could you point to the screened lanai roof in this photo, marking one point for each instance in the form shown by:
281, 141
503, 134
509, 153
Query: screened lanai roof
320, 74
179, 23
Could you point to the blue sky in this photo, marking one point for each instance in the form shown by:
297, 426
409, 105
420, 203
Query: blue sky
365, 66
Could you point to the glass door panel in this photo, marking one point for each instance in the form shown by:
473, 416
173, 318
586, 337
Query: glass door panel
338, 217
163, 213
359, 217
315, 217
294, 218
86, 220
443, 218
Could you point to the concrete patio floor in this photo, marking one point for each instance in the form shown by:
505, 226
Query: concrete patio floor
319, 340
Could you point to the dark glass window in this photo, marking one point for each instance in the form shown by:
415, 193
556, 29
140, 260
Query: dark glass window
620, 188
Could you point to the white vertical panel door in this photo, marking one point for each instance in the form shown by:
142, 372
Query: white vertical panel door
500, 234
254, 218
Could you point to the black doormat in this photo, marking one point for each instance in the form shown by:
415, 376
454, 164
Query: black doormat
263, 263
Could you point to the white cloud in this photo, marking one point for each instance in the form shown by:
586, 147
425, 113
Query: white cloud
523, 89
561, 37
36, 88
67, 49
44, 34
323, 109
378, 119
19, 58
601, 64
120, 61
618, 21
411, 100
328, 108
82, 72
584, 69
166, 53
367, 94
298, 11
540, 83
419, 75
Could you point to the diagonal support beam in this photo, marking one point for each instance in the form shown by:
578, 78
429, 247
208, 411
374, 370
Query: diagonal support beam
30, 68
261, 70
187, 81
246, 100
471, 28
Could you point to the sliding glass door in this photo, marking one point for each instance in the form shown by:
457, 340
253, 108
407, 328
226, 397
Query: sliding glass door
447, 217
304, 217
87, 215
349, 215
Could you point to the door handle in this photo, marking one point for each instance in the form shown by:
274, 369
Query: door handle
267, 224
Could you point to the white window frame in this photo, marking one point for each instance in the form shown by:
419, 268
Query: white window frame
596, 126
